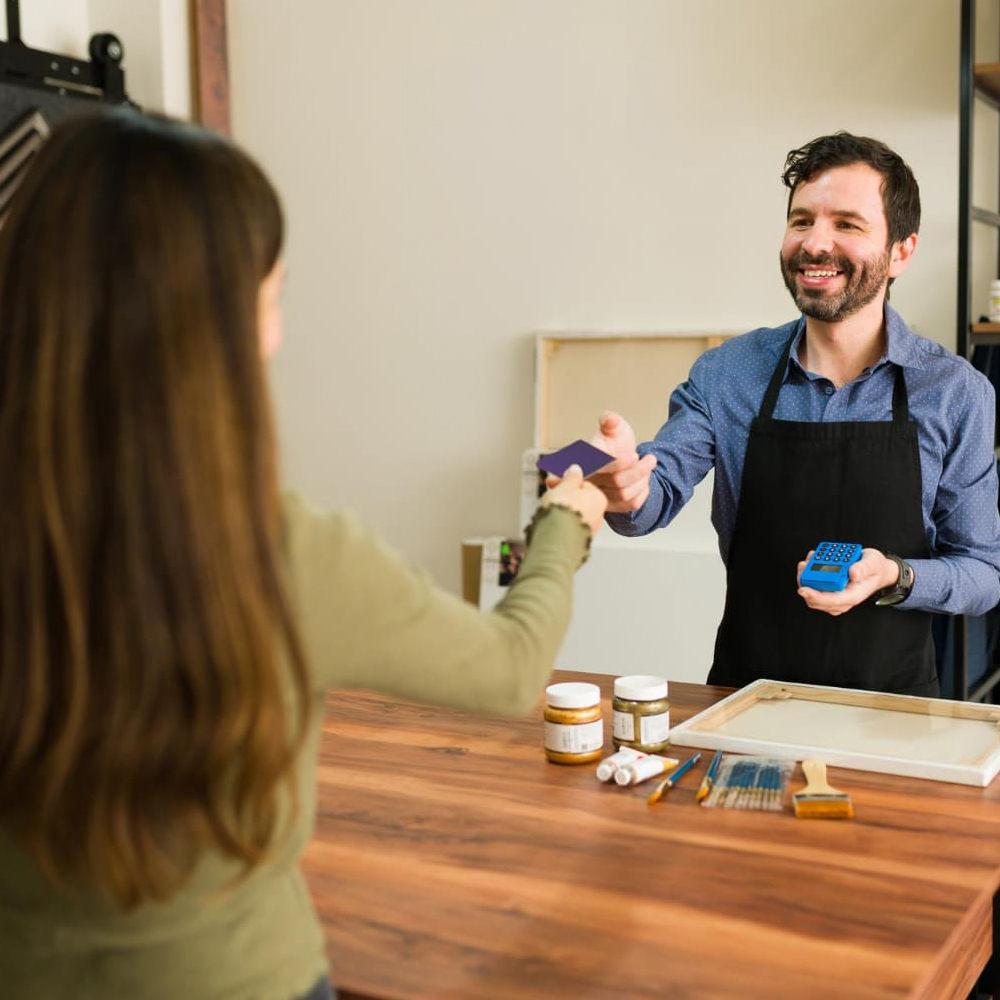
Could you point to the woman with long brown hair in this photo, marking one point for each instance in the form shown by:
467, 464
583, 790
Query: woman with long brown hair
169, 622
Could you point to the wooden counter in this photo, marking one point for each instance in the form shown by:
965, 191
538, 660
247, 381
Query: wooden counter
451, 861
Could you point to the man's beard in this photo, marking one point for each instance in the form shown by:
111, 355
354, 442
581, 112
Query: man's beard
864, 282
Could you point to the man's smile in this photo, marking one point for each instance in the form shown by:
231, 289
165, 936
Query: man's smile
817, 277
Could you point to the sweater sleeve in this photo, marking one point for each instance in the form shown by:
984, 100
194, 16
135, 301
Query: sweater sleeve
370, 620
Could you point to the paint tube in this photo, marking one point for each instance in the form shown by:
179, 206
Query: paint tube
609, 766
646, 766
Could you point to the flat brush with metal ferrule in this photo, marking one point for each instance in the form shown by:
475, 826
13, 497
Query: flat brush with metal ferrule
675, 776
818, 800
709, 780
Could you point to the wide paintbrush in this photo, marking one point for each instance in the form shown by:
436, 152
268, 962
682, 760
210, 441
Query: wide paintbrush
818, 800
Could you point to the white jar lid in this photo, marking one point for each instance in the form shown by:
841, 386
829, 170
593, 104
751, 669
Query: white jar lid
572, 695
640, 687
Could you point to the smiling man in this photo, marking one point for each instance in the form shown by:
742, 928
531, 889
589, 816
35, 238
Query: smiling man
842, 425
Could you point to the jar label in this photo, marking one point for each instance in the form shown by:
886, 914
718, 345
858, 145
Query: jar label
585, 738
622, 726
654, 728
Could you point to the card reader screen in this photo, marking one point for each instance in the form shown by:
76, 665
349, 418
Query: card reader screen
825, 567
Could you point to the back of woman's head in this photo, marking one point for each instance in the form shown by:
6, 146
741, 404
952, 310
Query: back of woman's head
151, 685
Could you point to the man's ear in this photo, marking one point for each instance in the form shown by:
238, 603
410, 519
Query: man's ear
900, 255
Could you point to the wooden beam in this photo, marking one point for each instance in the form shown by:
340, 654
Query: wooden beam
209, 64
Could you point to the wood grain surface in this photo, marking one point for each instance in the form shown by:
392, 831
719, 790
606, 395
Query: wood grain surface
209, 64
451, 861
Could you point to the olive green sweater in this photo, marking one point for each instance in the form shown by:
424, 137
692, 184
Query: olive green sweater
367, 620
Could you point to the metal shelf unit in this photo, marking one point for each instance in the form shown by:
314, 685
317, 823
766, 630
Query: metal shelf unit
978, 82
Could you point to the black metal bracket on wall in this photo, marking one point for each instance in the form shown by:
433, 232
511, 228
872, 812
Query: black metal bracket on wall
39, 88
100, 79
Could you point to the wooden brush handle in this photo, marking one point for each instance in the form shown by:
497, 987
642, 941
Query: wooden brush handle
816, 783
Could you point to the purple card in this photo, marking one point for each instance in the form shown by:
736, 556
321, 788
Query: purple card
589, 458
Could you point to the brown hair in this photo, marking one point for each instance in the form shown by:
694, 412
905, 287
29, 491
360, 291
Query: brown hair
900, 193
152, 687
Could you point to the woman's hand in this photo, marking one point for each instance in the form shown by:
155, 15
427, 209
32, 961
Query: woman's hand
575, 492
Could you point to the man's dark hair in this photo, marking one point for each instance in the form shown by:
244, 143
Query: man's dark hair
900, 194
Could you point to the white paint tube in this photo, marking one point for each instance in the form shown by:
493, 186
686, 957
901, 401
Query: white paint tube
648, 766
608, 767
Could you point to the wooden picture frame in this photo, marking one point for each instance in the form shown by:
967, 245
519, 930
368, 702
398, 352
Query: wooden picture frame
209, 64
869, 731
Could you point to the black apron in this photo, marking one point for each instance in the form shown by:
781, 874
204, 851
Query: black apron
803, 483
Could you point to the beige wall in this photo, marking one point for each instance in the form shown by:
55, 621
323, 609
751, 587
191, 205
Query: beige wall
54, 25
461, 173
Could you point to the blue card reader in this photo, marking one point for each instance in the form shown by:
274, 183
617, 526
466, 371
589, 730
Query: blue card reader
827, 569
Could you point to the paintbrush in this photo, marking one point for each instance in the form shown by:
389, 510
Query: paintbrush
668, 783
709, 780
818, 800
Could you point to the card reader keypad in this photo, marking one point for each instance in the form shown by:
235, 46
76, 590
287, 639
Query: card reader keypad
828, 567
836, 552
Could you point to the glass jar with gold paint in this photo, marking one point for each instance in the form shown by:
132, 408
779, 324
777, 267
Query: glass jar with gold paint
640, 713
574, 724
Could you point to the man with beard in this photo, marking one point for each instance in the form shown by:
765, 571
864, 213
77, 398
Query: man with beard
843, 425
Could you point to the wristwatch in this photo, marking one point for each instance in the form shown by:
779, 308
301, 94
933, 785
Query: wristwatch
900, 590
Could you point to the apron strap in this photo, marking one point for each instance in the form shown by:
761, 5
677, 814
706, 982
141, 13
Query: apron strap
900, 399
777, 380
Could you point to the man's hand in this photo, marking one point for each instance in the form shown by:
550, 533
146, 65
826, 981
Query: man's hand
626, 482
870, 573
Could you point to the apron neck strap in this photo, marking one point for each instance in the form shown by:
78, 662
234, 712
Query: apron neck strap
777, 379
900, 400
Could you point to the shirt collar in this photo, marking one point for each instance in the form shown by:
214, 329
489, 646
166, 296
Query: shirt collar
902, 344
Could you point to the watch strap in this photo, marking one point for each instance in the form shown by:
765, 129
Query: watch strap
900, 590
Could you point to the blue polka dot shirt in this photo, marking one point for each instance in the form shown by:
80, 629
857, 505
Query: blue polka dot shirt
952, 404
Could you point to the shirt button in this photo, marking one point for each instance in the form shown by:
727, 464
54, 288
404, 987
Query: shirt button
828, 390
